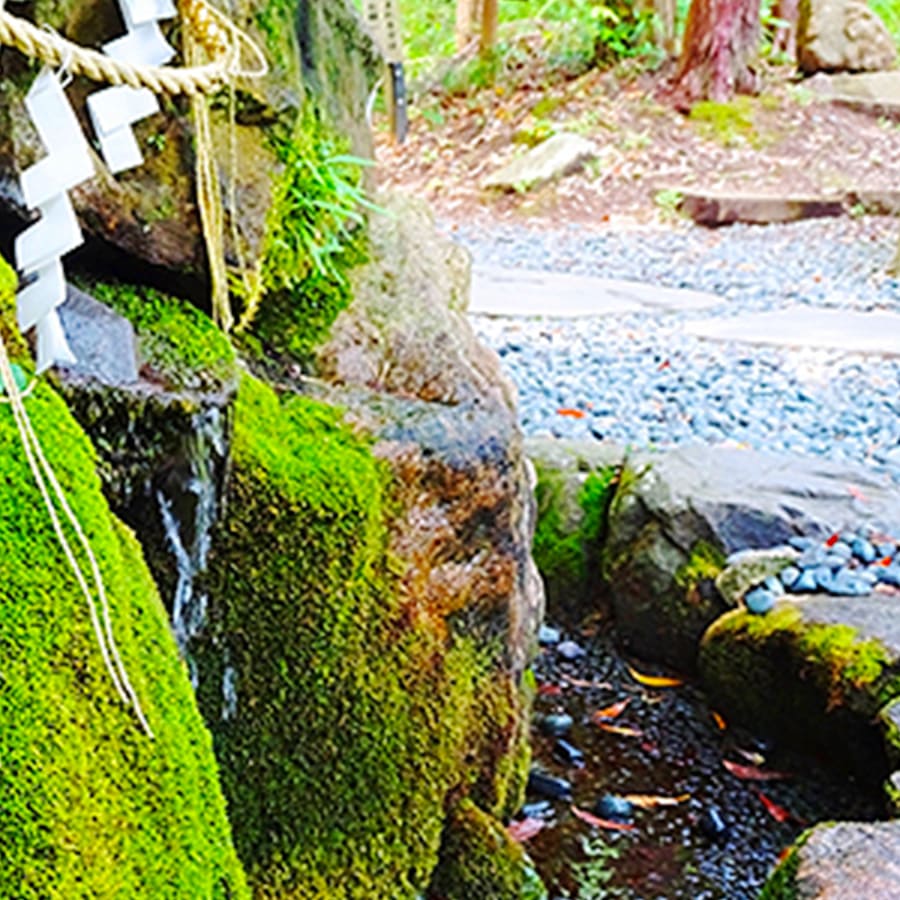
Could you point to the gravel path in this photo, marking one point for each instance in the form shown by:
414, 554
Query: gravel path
636, 379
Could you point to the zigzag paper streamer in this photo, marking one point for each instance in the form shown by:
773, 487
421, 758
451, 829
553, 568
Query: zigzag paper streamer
114, 110
44, 185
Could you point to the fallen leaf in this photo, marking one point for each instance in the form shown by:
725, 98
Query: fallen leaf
832, 540
621, 730
778, 813
655, 681
754, 757
721, 724
597, 822
524, 829
665, 364
752, 773
549, 690
650, 801
612, 711
571, 413
857, 494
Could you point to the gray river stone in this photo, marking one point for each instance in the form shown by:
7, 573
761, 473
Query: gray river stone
559, 155
705, 503
103, 341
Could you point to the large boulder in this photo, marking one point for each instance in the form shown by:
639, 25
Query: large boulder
677, 515
146, 220
842, 36
835, 861
92, 806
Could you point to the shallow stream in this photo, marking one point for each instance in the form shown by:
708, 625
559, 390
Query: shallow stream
725, 832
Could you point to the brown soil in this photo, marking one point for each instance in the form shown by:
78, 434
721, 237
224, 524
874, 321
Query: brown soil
784, 141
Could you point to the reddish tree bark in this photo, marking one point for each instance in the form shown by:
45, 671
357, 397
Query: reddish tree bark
719, 53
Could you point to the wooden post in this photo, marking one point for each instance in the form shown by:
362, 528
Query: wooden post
465, 20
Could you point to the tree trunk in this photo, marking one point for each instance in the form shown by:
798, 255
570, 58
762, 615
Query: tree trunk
721, 45
467, 13
785, 40
488, 27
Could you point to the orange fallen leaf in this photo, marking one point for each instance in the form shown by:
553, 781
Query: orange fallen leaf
525, 829
649, 801
612, 711
621, 730
752, 773
778, 813
655, 681
597, 822
721, 724
570, 413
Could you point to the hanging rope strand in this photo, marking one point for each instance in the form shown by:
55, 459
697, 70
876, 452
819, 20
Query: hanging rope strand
41, 470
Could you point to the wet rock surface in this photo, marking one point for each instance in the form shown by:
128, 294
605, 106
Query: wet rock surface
718, 840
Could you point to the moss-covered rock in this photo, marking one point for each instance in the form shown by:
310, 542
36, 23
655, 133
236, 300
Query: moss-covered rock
91, 806
811, 672
479, 859
576, 482
344, 709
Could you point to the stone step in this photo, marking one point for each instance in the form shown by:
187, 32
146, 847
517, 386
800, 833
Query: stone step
803, 326
721, 207
500, 291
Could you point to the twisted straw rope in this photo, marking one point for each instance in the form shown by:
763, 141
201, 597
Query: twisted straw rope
221, 38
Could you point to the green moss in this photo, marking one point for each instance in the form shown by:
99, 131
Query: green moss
354, 705
705, 563
782, 882
91, 806
730, 124
567, 543
314, 236
179, 342
479, 859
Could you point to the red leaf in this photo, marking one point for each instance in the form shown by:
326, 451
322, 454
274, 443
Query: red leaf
621, 730
778, 813
611, 712
665, 364
597, 822
549, 690
832, 540
570, 413
752, 773
525, 829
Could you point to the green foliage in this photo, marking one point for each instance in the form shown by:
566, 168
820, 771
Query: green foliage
889, 12
355, 708
91, 806
731, 124
623, 31
479, 859
782, 882
594, 875
314, 236
182, 345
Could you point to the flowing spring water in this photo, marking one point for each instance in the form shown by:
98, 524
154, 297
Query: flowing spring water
188, 512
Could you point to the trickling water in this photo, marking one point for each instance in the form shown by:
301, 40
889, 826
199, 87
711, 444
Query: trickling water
188, 515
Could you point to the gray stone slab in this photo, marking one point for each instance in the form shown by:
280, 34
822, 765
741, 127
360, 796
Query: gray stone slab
802, 326
103, 341
714, 208
559, 155
877, 93
498, 291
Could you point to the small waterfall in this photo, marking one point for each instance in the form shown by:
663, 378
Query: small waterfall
188, 506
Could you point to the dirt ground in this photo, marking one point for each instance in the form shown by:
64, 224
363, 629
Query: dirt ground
786, 140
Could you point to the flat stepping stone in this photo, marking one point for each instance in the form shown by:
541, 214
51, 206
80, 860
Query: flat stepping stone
803, 326
715, 208
499, 291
